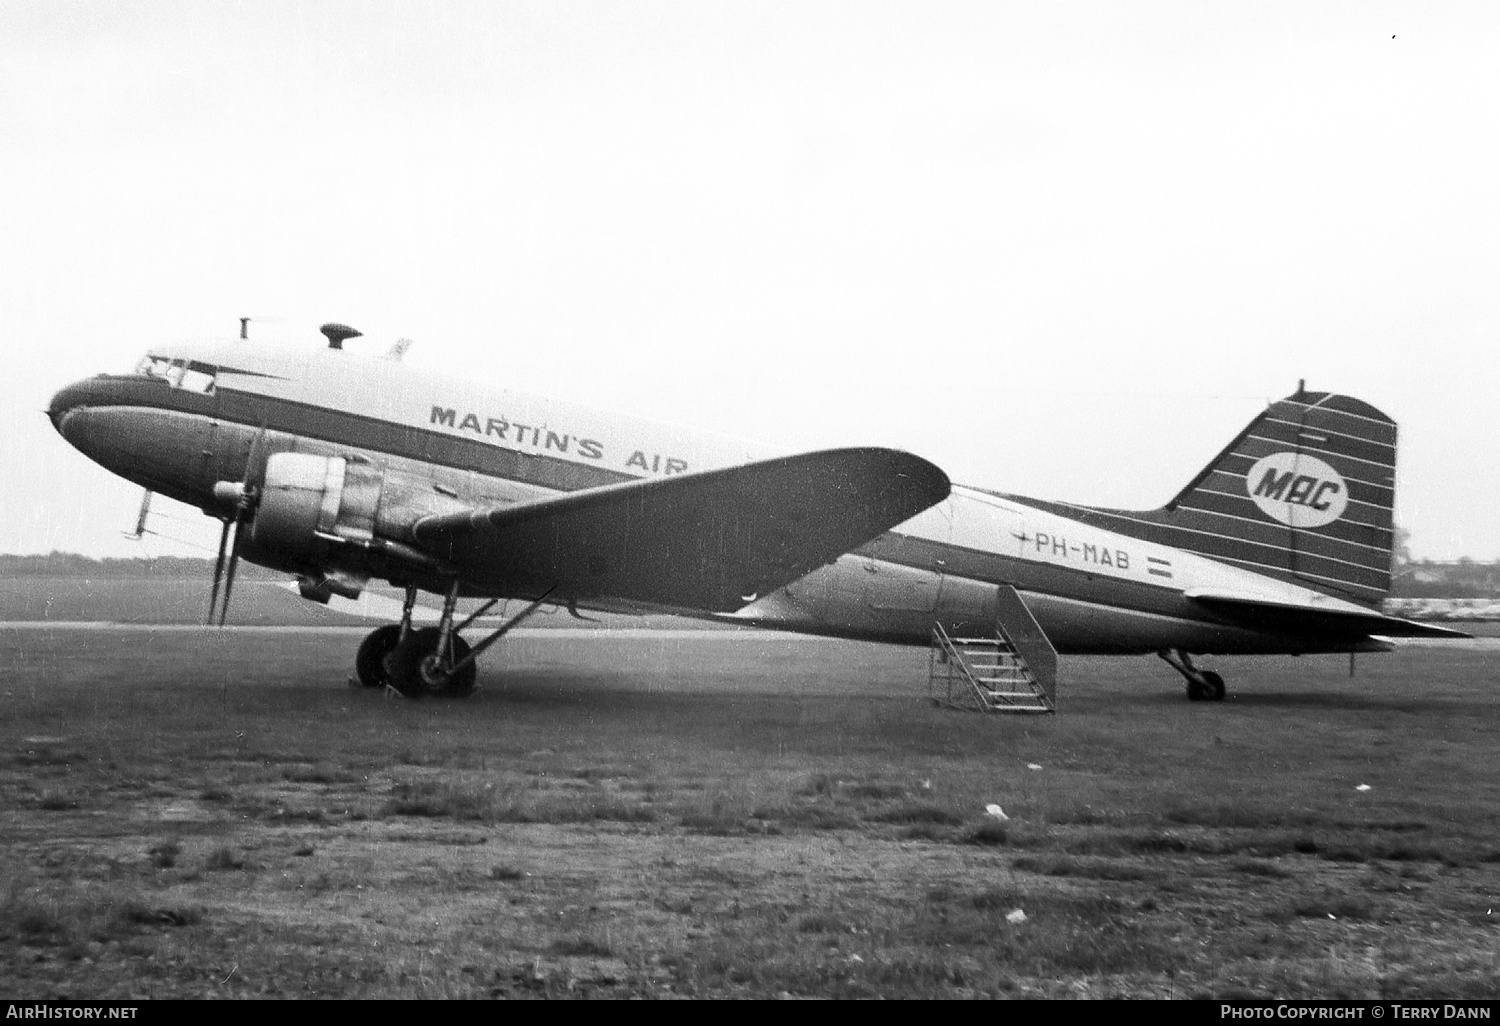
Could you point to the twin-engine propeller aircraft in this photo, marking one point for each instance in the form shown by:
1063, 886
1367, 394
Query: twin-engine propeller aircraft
340, 469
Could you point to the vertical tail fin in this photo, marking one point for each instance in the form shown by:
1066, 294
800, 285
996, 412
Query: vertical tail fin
1304, 493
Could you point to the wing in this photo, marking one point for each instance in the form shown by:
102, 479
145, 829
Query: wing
710, 541
1294, 617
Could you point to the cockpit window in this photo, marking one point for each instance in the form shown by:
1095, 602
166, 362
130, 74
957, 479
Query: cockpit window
153, 367
186, 374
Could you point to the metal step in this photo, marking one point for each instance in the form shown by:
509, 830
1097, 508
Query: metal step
988, 673
984, 674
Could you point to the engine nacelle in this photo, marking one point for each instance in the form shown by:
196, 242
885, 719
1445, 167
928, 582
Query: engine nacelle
319, 515
309, 501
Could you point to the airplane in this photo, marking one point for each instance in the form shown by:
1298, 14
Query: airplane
341, 469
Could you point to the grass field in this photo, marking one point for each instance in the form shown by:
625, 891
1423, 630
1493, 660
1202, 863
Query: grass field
192, 813
256, 603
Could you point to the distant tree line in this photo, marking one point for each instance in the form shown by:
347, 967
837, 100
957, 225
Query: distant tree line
71, 564
1464, 578
1423, 578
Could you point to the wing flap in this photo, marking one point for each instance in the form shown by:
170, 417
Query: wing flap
711, 540
1269, 613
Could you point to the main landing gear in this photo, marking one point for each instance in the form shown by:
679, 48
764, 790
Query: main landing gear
429, 661
1202, 685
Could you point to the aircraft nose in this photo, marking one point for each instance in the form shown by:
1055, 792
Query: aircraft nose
66, 401
96, 418
126, 426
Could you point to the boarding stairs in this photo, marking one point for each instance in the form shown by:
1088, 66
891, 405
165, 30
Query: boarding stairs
1012, 671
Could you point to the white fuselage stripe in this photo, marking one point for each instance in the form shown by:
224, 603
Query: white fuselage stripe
1330, 431
1237, 495
1241, 539
1303, 448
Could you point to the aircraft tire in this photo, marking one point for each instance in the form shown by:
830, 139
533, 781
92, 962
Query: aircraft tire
1215, 686
403, 666
1197, 691
369, 661
461, 684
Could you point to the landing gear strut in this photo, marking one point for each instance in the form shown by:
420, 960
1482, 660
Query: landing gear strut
433, 661
420, 667
369, 662
1202, 685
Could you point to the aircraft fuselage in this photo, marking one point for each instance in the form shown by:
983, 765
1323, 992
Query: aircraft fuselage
203, 410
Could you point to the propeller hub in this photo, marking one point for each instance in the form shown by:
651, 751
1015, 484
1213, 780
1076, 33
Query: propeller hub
229, 493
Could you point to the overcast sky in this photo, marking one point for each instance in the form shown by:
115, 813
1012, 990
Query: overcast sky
1063, 249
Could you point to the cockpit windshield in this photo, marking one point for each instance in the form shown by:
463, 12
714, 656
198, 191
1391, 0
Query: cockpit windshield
187, 374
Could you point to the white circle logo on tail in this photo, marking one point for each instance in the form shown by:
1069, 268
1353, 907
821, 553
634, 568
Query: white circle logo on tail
1297, 489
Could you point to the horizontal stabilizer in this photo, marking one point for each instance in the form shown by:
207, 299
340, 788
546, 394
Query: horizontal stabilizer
712, 540
1273, 614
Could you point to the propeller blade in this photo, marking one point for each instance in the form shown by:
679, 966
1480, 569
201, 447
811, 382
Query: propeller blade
234, 562
249, 493
213, 598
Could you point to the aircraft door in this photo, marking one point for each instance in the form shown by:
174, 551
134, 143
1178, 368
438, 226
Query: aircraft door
985, 546
966, 607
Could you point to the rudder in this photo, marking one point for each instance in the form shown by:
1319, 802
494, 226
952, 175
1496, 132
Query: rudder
1304, 493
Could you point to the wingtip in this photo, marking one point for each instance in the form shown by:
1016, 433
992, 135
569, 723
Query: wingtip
926, 478
928, 474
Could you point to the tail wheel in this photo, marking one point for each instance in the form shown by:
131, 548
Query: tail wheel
369, 662
1208, 687
1215, 686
